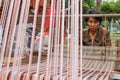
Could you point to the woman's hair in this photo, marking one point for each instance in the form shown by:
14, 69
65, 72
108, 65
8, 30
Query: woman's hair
93, 11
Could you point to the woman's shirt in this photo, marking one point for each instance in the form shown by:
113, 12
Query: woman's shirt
102, 38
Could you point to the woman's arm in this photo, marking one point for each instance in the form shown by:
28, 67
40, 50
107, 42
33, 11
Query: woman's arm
108, 40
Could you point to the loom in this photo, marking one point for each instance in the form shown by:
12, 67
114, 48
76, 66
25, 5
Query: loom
64, 58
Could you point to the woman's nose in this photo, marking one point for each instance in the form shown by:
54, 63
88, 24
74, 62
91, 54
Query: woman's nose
92, 24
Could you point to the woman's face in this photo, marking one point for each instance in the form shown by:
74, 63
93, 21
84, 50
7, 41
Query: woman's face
93, 24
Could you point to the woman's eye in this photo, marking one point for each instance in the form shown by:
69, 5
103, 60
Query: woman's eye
90, 21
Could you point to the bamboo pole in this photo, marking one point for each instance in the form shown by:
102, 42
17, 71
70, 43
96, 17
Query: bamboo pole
85, 15
12, 33
21, 36
56, 43
4, 41
33, 37
81, 28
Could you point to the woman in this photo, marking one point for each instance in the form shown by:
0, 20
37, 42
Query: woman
95, 36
